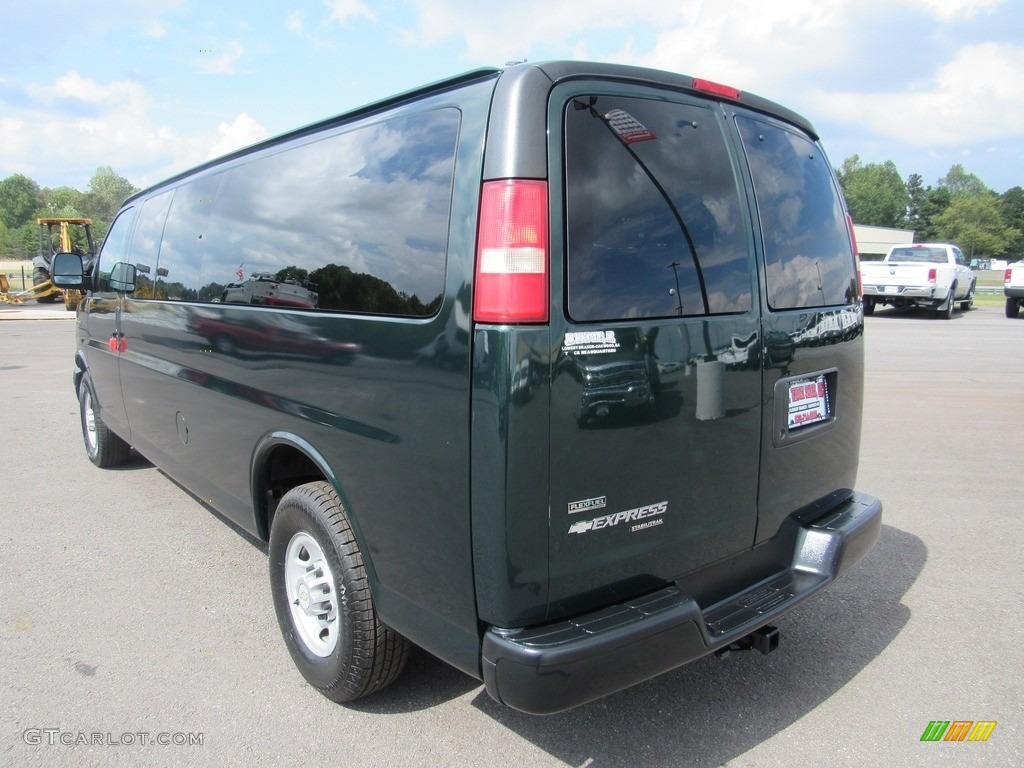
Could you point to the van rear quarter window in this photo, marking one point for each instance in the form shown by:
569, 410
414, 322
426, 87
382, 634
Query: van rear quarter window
807, 251
655, 227
312, 226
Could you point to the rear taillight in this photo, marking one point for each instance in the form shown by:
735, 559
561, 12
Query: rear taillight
1006, 277
856, 253
932, 275
512, 253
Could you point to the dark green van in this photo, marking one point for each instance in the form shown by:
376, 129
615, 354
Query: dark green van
554, 371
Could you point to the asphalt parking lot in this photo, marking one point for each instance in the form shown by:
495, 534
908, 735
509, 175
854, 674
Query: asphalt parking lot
131, 615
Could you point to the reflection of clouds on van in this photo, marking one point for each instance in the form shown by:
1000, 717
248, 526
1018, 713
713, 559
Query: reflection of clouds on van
802, 278
662, 235
333, 200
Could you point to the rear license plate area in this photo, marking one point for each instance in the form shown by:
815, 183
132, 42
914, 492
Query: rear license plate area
805, 406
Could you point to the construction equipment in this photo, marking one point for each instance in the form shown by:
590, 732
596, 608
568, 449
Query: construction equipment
42, 289
6, 296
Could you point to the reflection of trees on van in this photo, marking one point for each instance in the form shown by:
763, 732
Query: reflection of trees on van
342, 289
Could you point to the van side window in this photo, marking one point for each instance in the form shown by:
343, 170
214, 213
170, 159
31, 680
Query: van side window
807, 252
313, 225
654, 221
145, 248
180, 267
115, 248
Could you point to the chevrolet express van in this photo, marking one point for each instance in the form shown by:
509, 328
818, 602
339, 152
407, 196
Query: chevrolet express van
560, 375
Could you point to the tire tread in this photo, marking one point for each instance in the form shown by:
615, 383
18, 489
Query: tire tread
378, 654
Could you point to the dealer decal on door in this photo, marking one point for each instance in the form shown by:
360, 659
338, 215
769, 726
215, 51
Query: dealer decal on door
642, 517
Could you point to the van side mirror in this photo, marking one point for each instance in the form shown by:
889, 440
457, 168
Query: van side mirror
66, 270
122, 278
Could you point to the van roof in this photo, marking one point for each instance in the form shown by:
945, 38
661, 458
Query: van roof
514, 78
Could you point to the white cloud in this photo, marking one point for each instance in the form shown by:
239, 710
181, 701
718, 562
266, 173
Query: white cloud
343, 10
497, 32
755, 46
217, 61
976, 97
121, 95
69, 127
295, 23
155, 29
951, 10
241, 132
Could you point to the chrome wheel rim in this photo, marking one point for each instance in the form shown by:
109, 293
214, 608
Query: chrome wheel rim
312, 597
89, 422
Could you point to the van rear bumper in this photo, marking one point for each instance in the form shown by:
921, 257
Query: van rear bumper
558, 666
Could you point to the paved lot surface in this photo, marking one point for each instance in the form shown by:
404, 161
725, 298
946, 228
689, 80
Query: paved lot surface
127, 610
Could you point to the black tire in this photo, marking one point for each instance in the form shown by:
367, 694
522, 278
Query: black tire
869, 306
1012, 306
40, 276
103, 447
322, 598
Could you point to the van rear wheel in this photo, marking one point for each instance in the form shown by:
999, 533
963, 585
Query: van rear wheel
322, 598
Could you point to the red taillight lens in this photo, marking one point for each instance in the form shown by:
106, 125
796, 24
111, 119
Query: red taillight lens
512, 253
932, 275
856, 253
1006, 277
709, 86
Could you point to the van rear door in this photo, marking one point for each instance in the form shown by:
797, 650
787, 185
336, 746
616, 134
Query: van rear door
812, 325
655, 333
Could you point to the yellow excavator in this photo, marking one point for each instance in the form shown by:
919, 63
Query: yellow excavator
59, 241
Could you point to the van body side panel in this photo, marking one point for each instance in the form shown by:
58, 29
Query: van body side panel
383, 399
510, 457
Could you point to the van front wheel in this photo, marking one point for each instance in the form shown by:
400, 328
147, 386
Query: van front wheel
322, 598
103, 447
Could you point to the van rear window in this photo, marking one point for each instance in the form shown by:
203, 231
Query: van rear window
654, 221
807, 251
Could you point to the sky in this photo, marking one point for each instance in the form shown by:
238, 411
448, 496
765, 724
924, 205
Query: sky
153, 87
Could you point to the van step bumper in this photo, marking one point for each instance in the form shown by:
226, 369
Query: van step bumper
558, 666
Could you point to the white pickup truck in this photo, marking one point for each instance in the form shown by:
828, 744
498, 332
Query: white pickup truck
933, 275
1013, 287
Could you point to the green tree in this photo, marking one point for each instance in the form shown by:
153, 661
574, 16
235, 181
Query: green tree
1011, 203
102, 201
19, 242
915, 199
61, 201
960, 182
934, 202
875, 193
975, 223
19, 199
